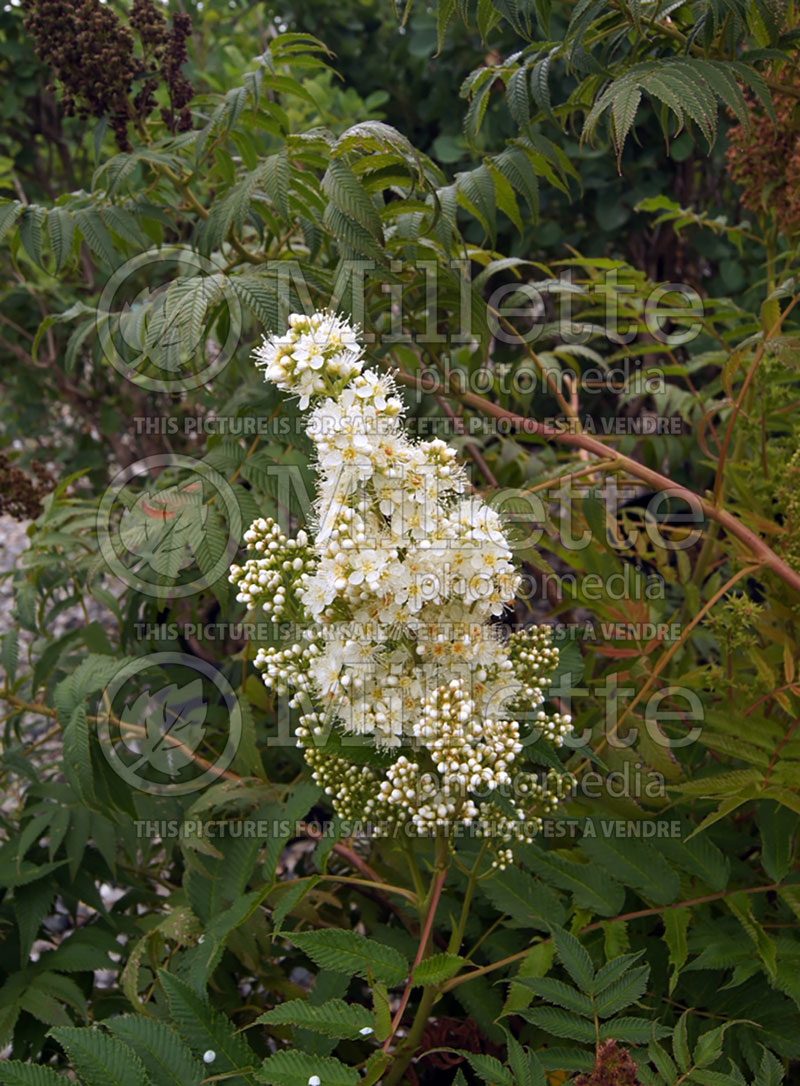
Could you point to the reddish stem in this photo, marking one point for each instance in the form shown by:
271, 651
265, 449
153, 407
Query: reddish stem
436, 893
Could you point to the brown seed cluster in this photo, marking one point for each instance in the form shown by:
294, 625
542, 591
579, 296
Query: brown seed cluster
94, 58
765, 162
21, 497
613, 1067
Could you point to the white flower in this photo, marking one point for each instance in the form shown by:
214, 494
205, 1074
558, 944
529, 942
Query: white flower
314, 1080
396, 590
209, 1056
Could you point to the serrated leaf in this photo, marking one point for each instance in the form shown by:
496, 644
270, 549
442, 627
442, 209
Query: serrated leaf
205, 1029
742, 908
778, 826
299, 1068
29, 1074
635, 863
9, 213
556, 991
621, 993
165, 1057
334, 1018
613, 970
30, 232
101, 1060
592, 888
350, 953
90, 223
489, 1069
60, 230
676, 923
514, 892
437, 968
560, 1023
680, 1042
631, 1030
770, 1071
575, 959
77, 756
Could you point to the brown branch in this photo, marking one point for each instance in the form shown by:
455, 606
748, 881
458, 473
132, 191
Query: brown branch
481, 970
758, 548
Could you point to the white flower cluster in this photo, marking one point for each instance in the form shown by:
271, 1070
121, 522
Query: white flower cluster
265, 581
315, 356
397, 591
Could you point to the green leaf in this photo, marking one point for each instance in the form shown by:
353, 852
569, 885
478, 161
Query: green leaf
350, 953
676, 923
202, 959
30, 232
297, 1069
124, 225
29, 1074
437, 968
31, 905
709, 1047
591, 887
635, 863
556, 991
90, 223
632, 1030
9, 654
383, 1010
613, 970
489, 1069
77, 756
680, 1042
475, 192
296, 806
778, 826
518, 1062
344, 190
742, 908
165, 1057
663, 1061
60, 229
514, 892
540, 86
619, 995
536, 963
517, 97
291, 899
101, 1060
560, 1023
575, 959
770, 1073
9, 213
444, 11
699, 857
276, 176
334, 1018
204, 1029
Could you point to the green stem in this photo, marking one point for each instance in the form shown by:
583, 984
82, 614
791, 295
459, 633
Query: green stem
458, 932
405, 1051
416, 877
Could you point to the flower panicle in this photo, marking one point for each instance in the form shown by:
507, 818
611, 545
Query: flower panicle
396, 592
